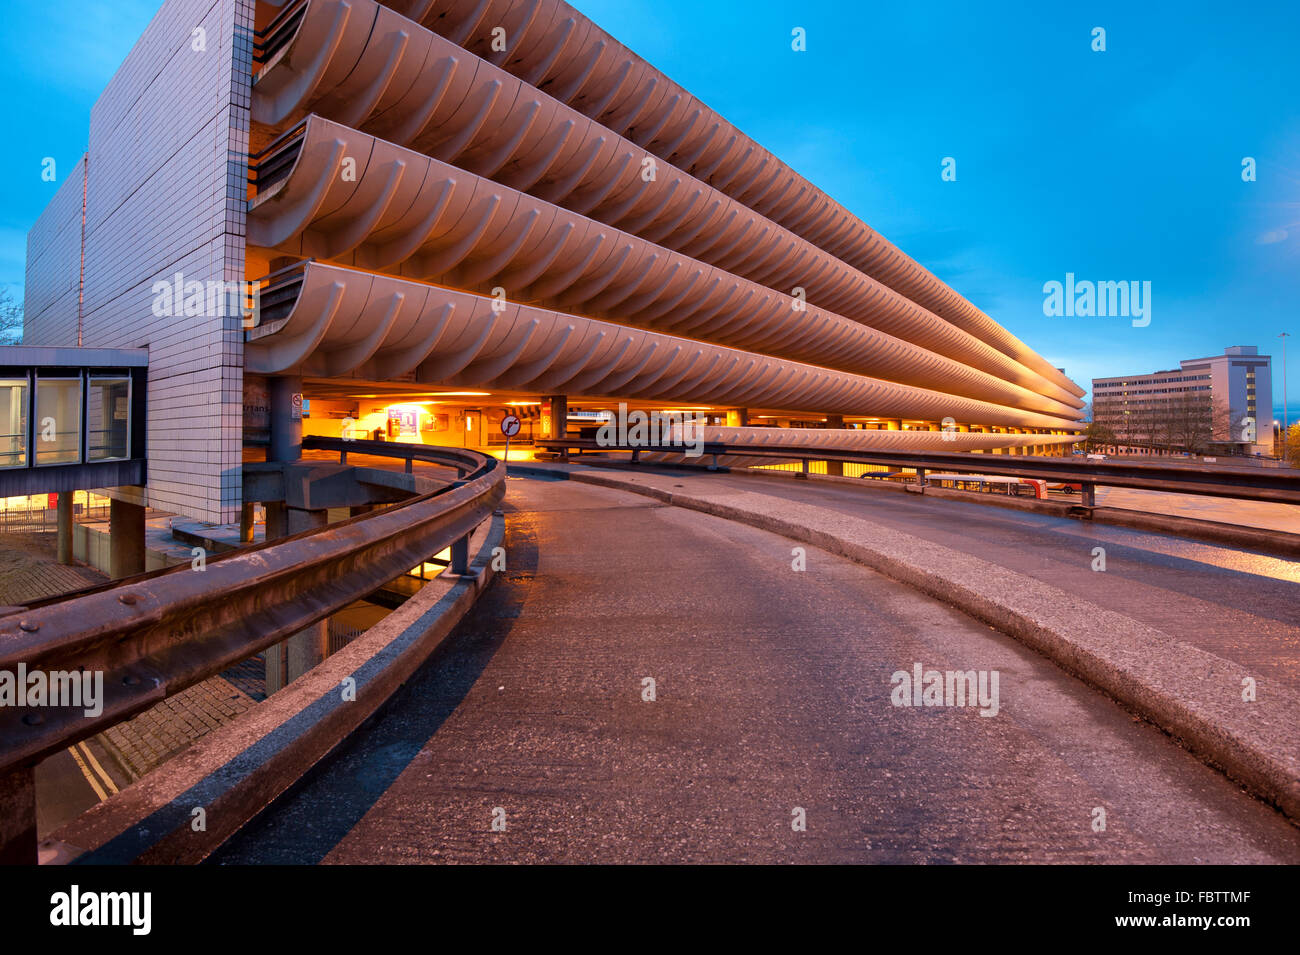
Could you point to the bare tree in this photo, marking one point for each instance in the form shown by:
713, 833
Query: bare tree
11, 318
1291, 445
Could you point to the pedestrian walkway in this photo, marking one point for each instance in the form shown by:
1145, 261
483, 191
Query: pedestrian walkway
153, 737
1275, 517
29, 571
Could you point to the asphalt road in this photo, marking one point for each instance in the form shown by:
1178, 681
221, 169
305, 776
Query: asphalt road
74, 780
1239, 604
772, 695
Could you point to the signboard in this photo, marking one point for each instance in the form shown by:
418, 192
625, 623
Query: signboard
403, 422
510, 428
295, 406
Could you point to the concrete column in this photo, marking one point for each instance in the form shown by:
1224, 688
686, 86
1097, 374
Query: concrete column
555, 420
308, 646
737, 417
300, 652
277, 520
894, 424
290, 659
65, 527
125, 539
286, 418
555, 423
246, 522
835, 468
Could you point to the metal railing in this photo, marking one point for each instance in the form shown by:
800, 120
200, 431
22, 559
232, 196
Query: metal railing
156, 634
1251, 484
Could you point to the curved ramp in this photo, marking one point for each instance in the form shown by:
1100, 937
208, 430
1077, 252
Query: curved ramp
399, 210
341, 321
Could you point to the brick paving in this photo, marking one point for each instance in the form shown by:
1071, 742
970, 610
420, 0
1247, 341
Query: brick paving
28, 570
144, 743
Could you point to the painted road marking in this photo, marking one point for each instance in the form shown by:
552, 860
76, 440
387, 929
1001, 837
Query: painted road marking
94, 783
94, 764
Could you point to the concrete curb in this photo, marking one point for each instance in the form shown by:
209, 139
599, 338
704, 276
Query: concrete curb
1193, 695
237, 770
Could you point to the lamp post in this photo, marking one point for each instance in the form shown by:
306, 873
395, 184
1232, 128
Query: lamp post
1286, 421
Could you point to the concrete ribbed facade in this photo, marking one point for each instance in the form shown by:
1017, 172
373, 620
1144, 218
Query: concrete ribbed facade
558, 217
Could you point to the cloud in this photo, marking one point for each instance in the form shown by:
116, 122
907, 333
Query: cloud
1272, 236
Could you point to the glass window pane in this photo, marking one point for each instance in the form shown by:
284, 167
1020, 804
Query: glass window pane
13, 422
58, 420
108, 417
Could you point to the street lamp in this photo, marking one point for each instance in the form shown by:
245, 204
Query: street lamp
1286, 420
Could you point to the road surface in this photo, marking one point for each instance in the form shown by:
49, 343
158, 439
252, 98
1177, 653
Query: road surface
529, 736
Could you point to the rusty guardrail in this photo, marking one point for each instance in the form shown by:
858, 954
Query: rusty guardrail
1241, 483
154, 635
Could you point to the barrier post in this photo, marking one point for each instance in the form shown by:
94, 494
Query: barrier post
18, 816
460, 556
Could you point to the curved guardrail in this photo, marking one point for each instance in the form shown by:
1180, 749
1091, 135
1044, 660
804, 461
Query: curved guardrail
154, 635
1243, 483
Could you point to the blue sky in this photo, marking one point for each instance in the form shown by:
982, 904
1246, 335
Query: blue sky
1116, 165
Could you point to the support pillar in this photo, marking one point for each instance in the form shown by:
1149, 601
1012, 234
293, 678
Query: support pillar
246, 522
737, 417
125, 539
65, 528
555, 420
835, 468
311, 645
286, 418
300, 652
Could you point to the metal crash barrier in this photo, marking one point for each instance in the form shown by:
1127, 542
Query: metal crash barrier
156, 634
1242, 483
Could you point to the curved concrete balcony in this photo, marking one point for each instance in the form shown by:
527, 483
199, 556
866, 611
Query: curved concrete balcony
835, 439
328, 321
406, 213
552, 45
364, 65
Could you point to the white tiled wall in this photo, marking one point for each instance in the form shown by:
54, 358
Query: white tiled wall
166, 194
54, 266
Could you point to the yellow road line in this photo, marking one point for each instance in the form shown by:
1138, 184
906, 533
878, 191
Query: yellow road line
94, 764
94, 783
